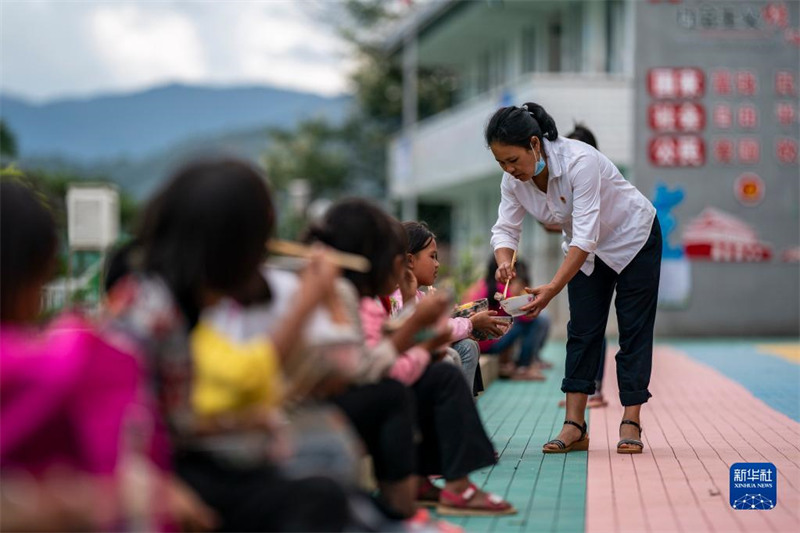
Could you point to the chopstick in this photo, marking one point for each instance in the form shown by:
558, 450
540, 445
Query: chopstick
353, 262
513, 262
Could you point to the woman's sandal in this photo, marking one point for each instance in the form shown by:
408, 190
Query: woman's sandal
580, 445
631, 442
455, 504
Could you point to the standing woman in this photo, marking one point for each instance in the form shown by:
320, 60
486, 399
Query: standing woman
567, 182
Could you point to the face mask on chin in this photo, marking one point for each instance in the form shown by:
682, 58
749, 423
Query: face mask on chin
539, 164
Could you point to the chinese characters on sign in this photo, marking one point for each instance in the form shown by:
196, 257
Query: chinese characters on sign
752, 474
676, 109
717, 116
753, 486
677, 118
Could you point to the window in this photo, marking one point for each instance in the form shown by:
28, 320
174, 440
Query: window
492, 65
554, 32
616, 35
498, 64
483, 72
529, 49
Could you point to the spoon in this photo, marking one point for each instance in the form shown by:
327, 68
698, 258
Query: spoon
513, 262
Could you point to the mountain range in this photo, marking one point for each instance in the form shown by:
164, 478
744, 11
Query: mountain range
135, 139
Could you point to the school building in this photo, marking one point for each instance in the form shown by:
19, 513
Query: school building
649, 79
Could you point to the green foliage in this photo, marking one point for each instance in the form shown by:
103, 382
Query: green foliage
378, 77
51, 188
8, 143
316, 152
353, 156
467, 270
291, 225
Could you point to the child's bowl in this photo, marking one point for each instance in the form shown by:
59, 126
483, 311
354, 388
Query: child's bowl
470, 308
512, 305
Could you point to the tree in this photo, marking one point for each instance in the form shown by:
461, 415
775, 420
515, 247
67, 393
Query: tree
378, 83
315, 151
51, 188
352, 157
8, 142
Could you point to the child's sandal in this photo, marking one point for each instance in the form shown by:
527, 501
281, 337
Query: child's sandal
631, 442
428, 494
454, 504
580, 445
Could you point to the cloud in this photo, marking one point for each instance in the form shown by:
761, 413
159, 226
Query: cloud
281, 44
52, 49
143, 45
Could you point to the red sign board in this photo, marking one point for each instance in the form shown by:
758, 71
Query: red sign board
747, 116
718, 236
721, 82
672, 83
723, 151
677, 151
784, 83
786, 151
746, 84
686, 117
785, 113
749, 151
723, 116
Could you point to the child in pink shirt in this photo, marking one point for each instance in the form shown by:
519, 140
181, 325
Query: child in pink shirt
71, 404
454, 442
422, 268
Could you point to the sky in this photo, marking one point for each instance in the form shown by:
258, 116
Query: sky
56, 49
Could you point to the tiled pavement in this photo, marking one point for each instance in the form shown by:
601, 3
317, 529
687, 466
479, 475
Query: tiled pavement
548, 491
699, 422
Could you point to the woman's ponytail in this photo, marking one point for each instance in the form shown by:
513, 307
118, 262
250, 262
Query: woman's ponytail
515, 126
546, 122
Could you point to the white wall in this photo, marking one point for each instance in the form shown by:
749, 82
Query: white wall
449, 148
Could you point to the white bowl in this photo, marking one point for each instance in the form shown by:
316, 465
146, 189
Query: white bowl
512, 305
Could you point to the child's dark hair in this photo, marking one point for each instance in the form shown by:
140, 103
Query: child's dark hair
360, 227
583, 134
514, 126
207, 229
28, 243
419, 236
119, 263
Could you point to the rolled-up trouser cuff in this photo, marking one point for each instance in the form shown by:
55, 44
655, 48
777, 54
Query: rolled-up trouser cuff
577, 385
634, 398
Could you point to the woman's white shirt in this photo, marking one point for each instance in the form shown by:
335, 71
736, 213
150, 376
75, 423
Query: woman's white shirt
600, 211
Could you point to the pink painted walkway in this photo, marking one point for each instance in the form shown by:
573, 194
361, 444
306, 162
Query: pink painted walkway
698, 424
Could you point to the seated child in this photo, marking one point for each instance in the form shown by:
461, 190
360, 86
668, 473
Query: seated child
454, 441
71, 407
202, 239
529, 333
422, 269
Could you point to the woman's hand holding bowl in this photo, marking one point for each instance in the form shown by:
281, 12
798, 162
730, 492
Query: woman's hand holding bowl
543, 294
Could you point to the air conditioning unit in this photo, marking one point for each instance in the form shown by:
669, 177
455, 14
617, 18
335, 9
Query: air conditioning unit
92, 216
